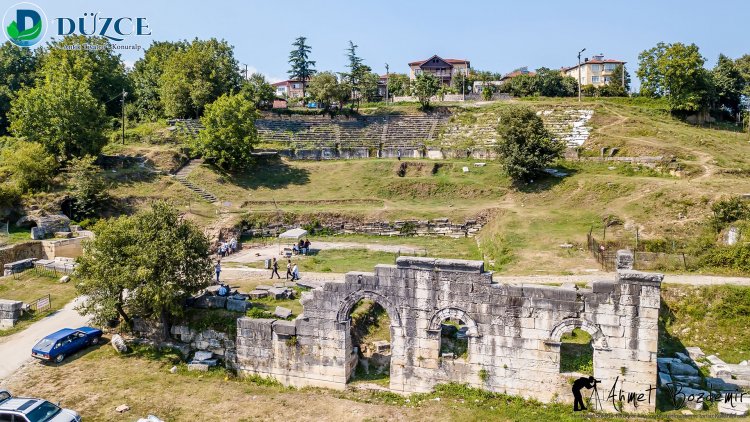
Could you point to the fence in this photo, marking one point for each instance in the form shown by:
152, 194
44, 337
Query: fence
42, 304
606, 253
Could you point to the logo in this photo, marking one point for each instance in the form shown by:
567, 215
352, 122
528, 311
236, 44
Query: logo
25, 24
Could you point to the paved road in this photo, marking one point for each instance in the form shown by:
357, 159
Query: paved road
15, 350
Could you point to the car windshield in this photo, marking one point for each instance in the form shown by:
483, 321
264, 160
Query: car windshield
43, 412
45, 345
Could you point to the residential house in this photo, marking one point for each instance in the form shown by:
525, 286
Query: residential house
597, 71
291, 88
443, 69
518, 72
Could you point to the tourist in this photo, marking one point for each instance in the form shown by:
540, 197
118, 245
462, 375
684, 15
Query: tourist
307, 246
301, 246
275, 269
295, 272
218, 270
295, 249
288, 268
233, 244
398, 154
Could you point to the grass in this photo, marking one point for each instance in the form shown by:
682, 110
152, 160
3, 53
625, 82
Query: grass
576, 354
15, 235
30, 287
714, 318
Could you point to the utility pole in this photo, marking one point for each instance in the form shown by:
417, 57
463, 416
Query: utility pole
463, 84
124, 94
245, 71
579, 74
623, 75
387, 78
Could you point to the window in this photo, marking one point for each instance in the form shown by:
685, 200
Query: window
6, 417
596, 68
583, 80
607, 79
608, 67
296, 86
594, 79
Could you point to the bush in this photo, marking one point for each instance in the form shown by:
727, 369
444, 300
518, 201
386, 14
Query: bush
730, 210
28, 165
735, 257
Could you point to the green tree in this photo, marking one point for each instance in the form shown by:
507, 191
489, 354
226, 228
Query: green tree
551, 83
369, 87
62, 115
743, 65
425, 86
99, 67
729, 84
87, 187
18, 66
301, 67
257, 89
28, 166
144, 265
616, 78
230, 132
398, 85
675, 71
146, 76
197, 76
525, 146
325, 88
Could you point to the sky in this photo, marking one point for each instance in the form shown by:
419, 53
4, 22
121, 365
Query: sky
494, 35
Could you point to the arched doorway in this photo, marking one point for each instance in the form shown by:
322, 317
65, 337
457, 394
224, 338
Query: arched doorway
372, 335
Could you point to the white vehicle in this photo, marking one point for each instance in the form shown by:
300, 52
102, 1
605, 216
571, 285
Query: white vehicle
21, 409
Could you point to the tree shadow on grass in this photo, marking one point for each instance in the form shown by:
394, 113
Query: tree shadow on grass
271, 174
544, 181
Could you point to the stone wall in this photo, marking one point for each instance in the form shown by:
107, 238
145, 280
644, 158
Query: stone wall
435, 227
20, 251
514, 331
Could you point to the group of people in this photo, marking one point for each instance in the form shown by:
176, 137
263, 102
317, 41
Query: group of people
291, 269
303, 247
227, 248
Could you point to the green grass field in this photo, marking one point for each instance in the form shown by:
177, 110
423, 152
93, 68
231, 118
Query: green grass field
29, 287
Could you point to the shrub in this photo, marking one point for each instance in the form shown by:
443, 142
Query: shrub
28, 165
729, 210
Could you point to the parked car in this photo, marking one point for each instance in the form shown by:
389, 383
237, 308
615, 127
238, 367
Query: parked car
56, 346
20, 409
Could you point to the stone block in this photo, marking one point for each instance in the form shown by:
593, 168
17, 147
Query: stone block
680, 368
237, 305
285, 328
695, 352
282, 312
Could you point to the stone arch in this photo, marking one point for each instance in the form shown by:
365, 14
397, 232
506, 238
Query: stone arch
455, 313
598, 339
346, 305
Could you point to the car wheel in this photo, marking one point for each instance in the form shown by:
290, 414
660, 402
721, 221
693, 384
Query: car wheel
59, 358
95, 341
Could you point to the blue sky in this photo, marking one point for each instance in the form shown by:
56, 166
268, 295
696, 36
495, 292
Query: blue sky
494, 35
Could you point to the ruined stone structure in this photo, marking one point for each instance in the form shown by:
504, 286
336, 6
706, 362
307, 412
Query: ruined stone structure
514, 331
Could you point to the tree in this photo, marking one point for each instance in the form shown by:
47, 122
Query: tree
551, 83
98, 66
28, 166
675, 71
325, 88
369, 87
230, 132
146, 76
87, 187
743, 65
197, 76
424, 87
258, 91
616, 78
62, 115
18, 66
301, 67
525, 146
143, 265
729, 84
398, 85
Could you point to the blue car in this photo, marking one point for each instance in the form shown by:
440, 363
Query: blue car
56, 346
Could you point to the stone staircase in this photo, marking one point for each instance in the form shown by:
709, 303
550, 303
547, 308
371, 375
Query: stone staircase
182, 174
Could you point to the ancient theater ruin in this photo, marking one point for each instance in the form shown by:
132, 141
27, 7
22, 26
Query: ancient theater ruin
514, 331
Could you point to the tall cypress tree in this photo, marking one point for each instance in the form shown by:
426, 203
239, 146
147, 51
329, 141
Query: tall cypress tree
301, 67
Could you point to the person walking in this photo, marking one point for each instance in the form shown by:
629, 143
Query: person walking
218, 270
288, 268
295, 272
275, 269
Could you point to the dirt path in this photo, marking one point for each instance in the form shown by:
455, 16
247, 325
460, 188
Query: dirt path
259, 254
16, 349
689, 279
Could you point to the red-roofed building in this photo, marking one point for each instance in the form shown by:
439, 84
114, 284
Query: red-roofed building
596, 71
443, 69
517, 72
291, 88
